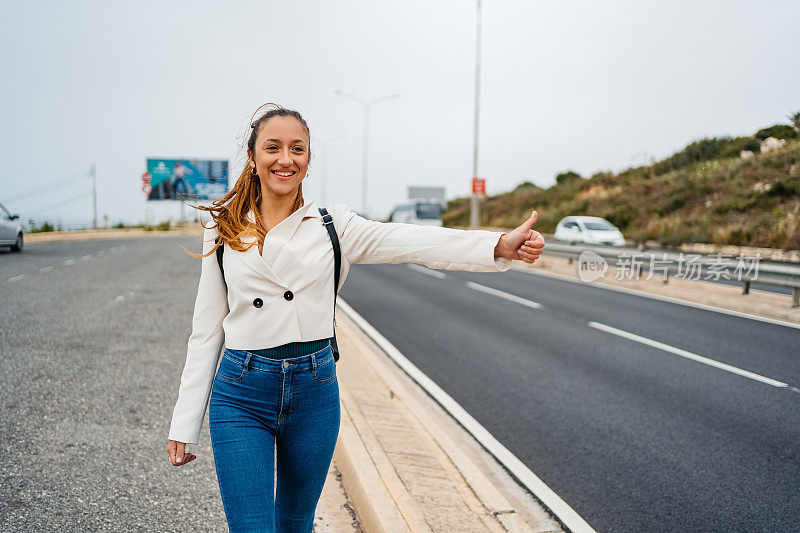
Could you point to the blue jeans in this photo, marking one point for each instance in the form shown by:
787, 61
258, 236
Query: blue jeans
257, 405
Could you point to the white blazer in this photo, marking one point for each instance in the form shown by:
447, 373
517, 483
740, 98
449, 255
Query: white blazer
293, 281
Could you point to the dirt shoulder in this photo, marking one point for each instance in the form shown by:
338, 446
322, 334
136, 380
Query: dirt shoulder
124, 233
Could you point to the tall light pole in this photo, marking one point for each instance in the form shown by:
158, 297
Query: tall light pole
474, 214
366, 105
324, 167
93, 173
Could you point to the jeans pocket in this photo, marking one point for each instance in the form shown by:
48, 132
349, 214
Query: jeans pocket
326, 370
230, 370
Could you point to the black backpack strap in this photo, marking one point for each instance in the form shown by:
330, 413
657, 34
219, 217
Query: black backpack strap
220, 250
327, 220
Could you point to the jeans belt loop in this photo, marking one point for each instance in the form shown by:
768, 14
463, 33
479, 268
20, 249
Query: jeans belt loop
246, 361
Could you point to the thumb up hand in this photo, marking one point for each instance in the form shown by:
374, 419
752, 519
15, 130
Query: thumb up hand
523, 243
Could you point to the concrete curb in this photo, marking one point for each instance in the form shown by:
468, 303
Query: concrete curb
375, 508
375, 486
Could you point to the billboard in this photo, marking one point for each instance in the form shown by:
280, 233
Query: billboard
187, 179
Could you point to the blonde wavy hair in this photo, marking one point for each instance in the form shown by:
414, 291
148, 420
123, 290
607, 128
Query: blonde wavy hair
230, 212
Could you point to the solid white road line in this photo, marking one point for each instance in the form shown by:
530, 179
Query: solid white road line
506, 295
16, 278
545, 494
687, 355
426, 270
654, 296
46, 269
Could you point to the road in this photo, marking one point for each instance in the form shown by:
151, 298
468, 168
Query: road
93, 342
633, 436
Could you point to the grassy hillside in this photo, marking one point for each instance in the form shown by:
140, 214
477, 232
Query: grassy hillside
721, 200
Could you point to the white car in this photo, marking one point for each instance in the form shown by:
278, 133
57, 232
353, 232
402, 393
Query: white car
589, 230
10, 231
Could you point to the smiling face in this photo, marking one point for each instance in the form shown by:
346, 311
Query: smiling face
281, 156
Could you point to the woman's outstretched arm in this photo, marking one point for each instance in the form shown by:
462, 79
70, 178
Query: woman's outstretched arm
369, 241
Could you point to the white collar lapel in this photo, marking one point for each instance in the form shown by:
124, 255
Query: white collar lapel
276, 238
252, 258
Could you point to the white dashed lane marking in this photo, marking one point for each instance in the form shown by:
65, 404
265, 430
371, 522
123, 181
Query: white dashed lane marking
46, 269
505, 295
687, 354
16, 278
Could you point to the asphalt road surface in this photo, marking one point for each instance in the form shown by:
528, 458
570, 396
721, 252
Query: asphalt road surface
633, 434
634, 437
93, 342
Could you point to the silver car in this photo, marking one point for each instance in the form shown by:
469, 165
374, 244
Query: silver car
10, 230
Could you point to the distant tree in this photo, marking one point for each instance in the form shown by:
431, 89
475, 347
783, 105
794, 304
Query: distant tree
567, 176
794, 118
44, 226
526, 184
779, 131
734, 147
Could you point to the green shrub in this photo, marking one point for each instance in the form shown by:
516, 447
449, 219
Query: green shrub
567, 176
622, 216
779, 131
735, 147
702, 150
676, 236
784, 189
44, 226
526, 185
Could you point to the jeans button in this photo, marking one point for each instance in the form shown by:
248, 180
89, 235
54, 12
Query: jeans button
286, 364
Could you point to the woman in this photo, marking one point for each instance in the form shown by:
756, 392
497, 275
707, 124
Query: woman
275, 393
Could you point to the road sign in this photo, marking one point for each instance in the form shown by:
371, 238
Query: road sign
147, 188
478, 186
146, 177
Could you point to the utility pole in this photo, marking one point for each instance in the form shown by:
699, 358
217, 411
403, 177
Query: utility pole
93, 173
366, 105
474, 213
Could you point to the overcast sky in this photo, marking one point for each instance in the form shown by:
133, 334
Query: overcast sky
583, 85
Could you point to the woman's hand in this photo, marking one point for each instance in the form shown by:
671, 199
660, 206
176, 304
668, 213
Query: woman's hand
522, 243
177, 453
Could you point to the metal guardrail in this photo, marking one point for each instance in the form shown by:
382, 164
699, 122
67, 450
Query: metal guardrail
748, 269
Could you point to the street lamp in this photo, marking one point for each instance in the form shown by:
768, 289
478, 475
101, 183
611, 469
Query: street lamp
474, 216
366, 105
324, 156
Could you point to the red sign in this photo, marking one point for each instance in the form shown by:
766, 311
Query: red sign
478, 185
146, 177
